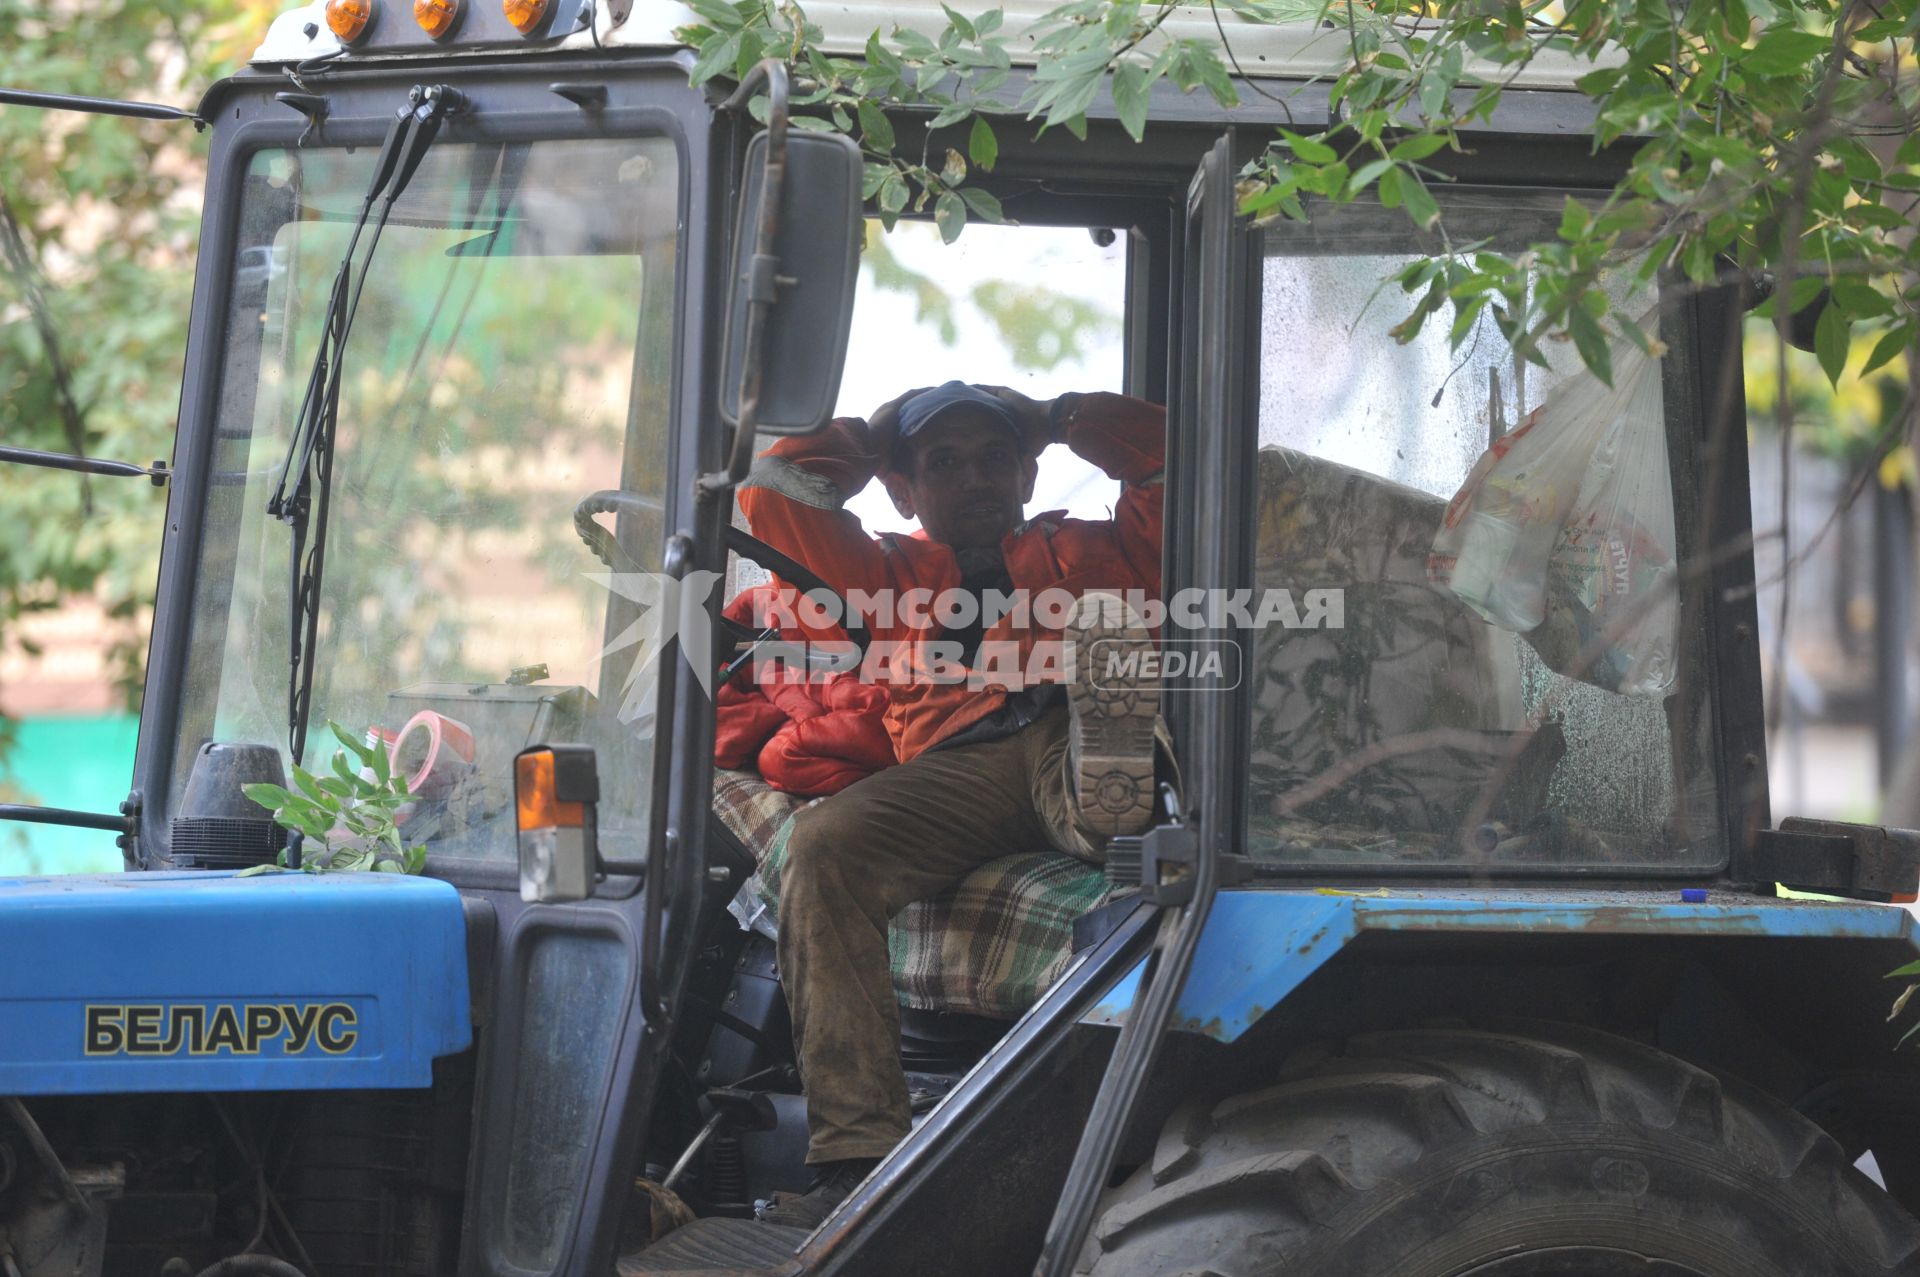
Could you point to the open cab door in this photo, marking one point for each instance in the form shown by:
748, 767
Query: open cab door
1181, 862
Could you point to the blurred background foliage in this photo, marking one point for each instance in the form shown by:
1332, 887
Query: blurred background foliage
102, 213
1856, 421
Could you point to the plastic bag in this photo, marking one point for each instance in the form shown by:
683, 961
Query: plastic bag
1563, 531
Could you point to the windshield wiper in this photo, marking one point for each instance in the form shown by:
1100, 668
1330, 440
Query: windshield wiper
300, 497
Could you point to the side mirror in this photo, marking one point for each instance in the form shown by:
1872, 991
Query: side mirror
782, 366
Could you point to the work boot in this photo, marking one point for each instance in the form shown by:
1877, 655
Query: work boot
832, 1182
1114, 700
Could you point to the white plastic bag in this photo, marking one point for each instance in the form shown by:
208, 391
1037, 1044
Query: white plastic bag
1563, 531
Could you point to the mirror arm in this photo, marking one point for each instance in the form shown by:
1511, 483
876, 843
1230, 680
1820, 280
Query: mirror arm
99, 106
157, 472
765, 271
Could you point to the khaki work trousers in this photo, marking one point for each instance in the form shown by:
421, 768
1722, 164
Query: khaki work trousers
858, 858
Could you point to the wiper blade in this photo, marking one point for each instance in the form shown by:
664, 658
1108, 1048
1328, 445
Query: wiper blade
300, 496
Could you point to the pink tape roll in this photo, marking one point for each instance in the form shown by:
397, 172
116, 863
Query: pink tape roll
447, 756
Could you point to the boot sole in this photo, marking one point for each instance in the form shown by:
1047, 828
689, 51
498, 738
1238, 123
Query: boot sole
1113, 710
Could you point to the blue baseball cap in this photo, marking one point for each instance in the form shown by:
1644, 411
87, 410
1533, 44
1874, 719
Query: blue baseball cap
920, 411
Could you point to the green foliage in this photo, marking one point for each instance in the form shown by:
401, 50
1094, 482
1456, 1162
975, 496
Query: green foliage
108, 239
352, 816
954, 78
1767, 138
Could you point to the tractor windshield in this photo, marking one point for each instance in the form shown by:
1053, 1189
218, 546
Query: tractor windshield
510, 355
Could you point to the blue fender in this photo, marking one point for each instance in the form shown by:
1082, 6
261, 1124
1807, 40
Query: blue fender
198, 981
1259, 945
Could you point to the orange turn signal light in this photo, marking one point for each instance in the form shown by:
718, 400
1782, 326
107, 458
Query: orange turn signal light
524, 15
349, 19
536, 802
436, 17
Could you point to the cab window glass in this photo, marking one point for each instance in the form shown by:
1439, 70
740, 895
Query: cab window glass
1396, 726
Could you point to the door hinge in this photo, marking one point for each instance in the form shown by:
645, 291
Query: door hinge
1162, 863
129, 838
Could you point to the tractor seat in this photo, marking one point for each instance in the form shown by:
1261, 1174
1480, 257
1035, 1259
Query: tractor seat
990, 946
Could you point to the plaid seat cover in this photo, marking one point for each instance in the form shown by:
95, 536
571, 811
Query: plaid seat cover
990, 946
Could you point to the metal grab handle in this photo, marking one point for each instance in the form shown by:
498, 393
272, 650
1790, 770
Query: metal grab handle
610, 501
669, 864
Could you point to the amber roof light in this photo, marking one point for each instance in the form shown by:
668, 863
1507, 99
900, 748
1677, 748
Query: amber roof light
436, 17
349, 19
524, 15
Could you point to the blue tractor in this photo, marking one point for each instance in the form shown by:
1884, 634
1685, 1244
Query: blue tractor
1438, 962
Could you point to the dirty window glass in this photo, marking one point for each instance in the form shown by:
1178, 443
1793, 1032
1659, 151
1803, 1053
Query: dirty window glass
1405, 729
510, 356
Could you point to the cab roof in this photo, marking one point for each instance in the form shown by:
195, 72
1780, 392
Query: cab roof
1289, 51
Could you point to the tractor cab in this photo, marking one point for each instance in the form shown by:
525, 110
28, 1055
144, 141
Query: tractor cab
494, 310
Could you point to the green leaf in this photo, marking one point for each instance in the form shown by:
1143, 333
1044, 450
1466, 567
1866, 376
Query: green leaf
1631, 331
1573, 219
1419, 202
893, 193
268, 796
953, 170
960, 24
1308, 149
1464, 321
983, 148
951, 113
875, 129
1591, 341
1599, 83
871, 176
719, 13
1860, 299
1832, 335
1390, 194
983, 204
1130, 94
1213, 75
304, 779
308, 821
1891, 343
1418, 147
1911, 968
382, 763
355, 745
255, 871
717, 55
1365, 175
950, 215
753, 47
1783, 51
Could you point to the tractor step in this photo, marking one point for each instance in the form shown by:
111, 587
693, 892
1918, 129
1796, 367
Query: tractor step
713, 1246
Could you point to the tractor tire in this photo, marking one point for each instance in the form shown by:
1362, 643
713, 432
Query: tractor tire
1538, 1151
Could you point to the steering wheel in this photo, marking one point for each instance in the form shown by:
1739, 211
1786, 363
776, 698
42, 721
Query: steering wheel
736, 642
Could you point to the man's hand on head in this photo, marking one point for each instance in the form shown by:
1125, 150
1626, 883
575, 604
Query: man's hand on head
1034, 415
883, 427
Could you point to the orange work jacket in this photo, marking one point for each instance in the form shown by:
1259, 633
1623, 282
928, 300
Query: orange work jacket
794, 498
